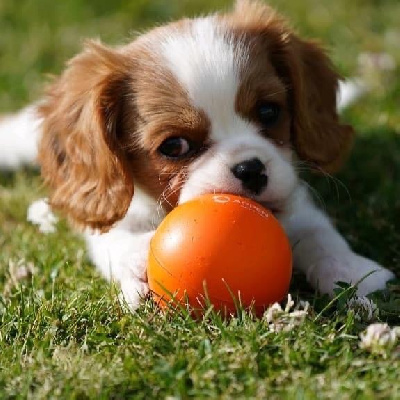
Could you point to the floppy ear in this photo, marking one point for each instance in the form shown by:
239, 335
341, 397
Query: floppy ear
312, 83
318, 135
81, 156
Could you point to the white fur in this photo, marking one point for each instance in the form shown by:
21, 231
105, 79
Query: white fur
206, 62
121, 254
211, 173
19, 137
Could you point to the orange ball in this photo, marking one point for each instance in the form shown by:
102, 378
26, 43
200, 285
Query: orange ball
220, 247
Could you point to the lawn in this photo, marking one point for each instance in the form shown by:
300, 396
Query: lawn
63, 332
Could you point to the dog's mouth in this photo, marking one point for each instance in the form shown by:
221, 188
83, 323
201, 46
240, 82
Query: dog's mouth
273, 207
276, 207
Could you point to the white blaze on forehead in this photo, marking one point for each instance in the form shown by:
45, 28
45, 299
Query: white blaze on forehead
206, 60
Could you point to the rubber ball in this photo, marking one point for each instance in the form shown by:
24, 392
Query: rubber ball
223, 250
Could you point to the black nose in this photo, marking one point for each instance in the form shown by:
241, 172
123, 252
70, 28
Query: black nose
251, 173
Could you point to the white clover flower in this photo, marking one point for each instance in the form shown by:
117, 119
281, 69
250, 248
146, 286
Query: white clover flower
289, 304
379, 338
273, 312
279, 319
364, 308
18, 271
39, 213
377, 61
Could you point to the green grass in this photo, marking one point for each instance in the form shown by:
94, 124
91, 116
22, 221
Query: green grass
63, 333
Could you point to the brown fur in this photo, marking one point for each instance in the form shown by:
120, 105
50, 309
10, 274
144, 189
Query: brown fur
104, 119
318, 136
161, 110
80, 153
259, 81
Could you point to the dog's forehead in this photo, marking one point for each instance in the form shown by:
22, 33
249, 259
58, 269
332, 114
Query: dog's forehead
207, 59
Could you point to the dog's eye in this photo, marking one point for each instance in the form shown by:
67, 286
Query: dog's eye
268, 113
175, 147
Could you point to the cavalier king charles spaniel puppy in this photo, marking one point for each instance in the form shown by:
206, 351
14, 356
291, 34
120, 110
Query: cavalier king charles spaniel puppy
228, 103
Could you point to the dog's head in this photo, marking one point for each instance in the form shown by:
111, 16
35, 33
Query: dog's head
226, 103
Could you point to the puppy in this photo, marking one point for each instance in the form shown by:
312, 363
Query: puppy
229, 103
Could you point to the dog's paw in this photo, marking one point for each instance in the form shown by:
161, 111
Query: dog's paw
133, 291
132, 261
350, 268
377, 275
132, 265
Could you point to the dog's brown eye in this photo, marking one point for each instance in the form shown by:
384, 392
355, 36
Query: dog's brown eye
175, 147
268, 113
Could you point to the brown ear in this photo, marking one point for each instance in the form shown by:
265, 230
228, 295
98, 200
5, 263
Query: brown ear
318, 135
319, 138
80, 153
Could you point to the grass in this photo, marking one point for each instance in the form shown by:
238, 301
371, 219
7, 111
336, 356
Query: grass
63, 332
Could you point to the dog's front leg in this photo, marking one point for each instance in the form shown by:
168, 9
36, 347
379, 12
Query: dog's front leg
323, 255
121, 256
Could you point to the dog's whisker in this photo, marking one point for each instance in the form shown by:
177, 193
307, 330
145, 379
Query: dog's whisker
337, 183
315, 194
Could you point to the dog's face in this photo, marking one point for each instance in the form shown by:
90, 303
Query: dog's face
220, 104
217, 118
